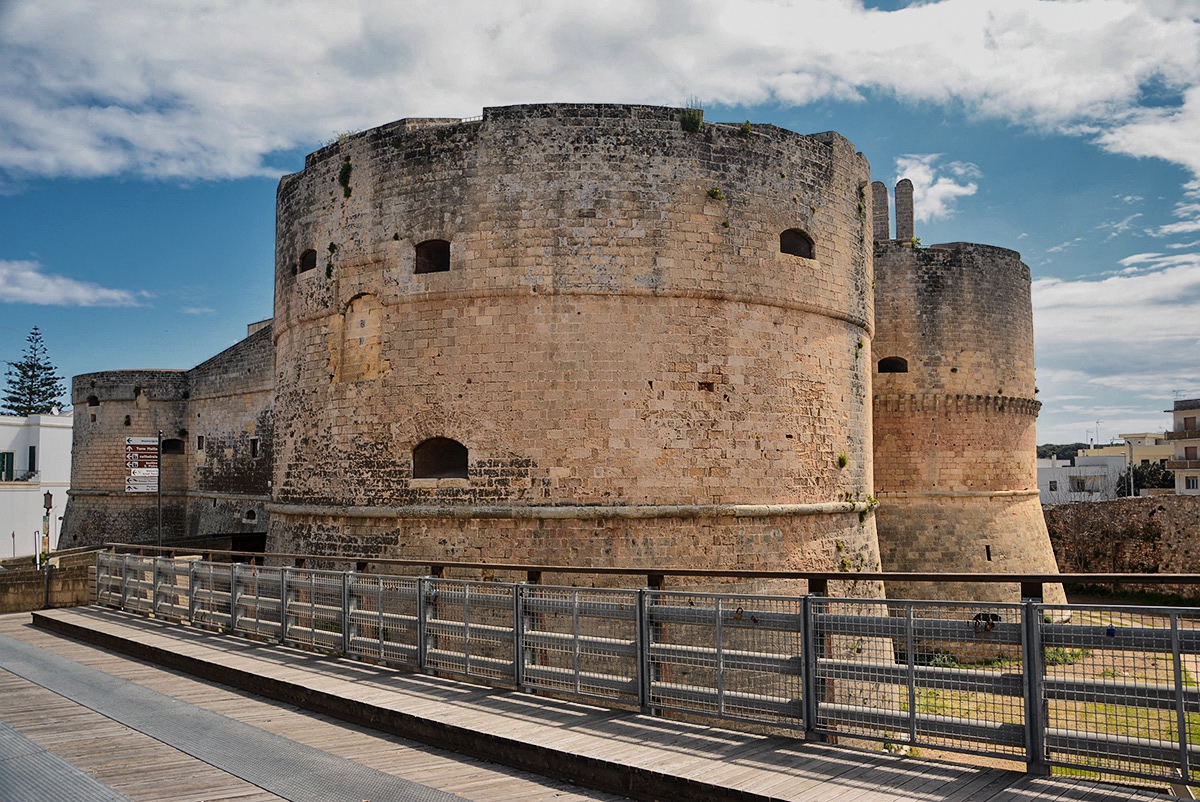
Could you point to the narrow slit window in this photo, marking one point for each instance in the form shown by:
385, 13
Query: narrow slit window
308, 260
440, 458
893, 364
433, 256
200, 442
796, 242
254, 447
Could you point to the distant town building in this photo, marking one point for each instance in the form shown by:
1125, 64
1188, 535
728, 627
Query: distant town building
1185, 438
1061, 481
1143, 448
35, 459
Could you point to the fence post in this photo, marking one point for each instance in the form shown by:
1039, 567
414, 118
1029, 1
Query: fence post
422, 624
519, 635
284, 601
346, 611
1035, 670
643, 649
124, 580
233, 596
191, 591
1181, 722
808, 667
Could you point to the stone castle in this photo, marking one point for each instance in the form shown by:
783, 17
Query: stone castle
597, 335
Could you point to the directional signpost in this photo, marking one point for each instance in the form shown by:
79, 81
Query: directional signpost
141, 464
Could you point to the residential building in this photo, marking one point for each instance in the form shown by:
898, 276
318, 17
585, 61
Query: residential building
1185, 437
1061, 481
35, 460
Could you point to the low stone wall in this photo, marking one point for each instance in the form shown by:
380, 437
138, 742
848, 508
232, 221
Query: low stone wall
26, 590
1137, 535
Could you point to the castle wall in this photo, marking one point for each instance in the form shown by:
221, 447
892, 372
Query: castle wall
109, 407
954, 427
618, 329
231, 407
220, 488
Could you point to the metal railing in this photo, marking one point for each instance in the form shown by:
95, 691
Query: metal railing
1090, 689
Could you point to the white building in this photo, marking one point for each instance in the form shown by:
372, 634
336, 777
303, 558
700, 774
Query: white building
35, 459
1088, 479
1185, 435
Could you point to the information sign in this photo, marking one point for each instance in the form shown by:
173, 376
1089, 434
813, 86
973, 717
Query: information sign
141, 464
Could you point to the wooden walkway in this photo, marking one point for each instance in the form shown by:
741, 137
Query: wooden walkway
639, 756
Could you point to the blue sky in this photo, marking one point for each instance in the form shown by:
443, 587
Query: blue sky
140, 146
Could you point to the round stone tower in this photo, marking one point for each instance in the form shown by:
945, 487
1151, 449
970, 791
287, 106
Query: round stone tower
576, 335
954, 412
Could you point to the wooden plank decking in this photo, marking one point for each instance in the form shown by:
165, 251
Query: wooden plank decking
641, 756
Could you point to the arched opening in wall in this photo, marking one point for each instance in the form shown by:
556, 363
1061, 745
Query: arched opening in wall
796, 242
308, 260
440, 458
433, 256
362, 327
893, 364
249, 516
93, 401
172, 446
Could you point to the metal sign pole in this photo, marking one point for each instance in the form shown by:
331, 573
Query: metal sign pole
160, 488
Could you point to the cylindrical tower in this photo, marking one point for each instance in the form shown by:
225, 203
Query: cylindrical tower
955, 415
576, 334
107, 501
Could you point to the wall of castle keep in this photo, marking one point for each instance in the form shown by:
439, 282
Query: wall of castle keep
954, 425
217, 488
618, 329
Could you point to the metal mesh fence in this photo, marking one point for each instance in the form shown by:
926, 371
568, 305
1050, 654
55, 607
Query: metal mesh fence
172, 585
1119, 690
110, 581
580, 641
257, 599
735, 657
940, 675
138, 575
314, 604
211, 594
1092, 690
469, 628
384, 618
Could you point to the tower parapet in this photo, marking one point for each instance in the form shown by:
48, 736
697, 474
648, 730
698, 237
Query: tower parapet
955, 413
576, 334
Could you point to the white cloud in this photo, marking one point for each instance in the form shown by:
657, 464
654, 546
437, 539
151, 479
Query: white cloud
1131, 336
25, 283
934, 194
91, 88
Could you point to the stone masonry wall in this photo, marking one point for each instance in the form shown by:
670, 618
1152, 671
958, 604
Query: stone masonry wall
109, 407
1160, 534
618, 327
955, 426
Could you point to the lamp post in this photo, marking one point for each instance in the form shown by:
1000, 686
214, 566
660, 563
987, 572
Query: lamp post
48, 503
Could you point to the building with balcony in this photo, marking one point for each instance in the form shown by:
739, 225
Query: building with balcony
1061, 481
1185, 437
1140, 448
35, 460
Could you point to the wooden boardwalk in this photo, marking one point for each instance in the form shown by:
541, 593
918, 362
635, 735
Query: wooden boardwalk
640, 756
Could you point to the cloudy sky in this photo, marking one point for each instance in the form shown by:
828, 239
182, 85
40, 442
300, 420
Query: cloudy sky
141, 142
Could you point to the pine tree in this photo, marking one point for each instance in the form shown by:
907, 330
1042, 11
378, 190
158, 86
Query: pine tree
33, 383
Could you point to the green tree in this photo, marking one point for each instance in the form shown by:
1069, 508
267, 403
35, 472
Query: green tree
33, 382
1151, 475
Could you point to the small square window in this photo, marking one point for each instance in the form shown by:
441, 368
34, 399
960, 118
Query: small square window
1053, 486
1191, 483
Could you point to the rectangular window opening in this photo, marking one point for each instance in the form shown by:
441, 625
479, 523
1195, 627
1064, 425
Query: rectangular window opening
254, 447
199, 442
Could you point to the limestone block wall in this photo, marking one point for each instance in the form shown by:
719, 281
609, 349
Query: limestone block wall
955, 415
618, 336
231, 426
110, 407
